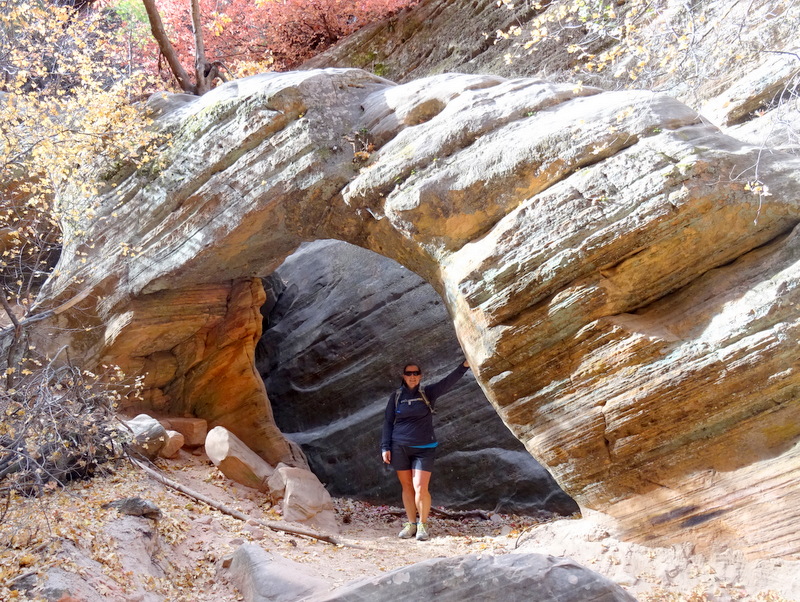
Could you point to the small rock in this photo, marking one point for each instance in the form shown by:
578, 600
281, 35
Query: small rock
148, 436
598, 534
135, 506
194, 430
255, 532
173, 445
625, 580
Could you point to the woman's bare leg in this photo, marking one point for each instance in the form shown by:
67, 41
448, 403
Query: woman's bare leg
422, 497
407, 483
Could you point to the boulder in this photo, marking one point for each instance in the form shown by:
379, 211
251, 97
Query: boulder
149, 436
194, 430
303, 498
504, 578
262, 576
237, 461
175, 442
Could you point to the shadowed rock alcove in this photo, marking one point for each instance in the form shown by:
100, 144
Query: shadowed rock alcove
339, 323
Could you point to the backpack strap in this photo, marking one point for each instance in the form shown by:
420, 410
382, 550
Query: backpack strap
425, 399
421, 394
396, 401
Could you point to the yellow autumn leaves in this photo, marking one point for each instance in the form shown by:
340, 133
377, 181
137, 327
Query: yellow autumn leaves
71, 107
601, 34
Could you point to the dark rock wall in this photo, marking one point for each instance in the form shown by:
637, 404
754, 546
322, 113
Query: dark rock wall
340, 323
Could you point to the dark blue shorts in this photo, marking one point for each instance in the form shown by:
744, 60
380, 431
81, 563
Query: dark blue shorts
405, 457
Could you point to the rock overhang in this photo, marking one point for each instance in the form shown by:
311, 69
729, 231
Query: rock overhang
576, 236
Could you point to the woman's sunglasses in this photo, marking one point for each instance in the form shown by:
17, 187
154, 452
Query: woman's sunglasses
412, 372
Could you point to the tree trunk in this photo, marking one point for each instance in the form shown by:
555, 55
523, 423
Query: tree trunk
160, 35
203, 72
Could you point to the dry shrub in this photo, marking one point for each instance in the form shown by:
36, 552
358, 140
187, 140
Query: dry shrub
58, 425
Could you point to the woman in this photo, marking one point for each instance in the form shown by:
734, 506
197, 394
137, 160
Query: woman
409, 444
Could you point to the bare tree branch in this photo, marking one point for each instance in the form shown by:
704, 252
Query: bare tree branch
47, 314
275, 526
9, 311
794, 54
160, 35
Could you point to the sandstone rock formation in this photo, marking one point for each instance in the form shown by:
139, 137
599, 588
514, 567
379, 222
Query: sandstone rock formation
237, 461
493, 578
303, 498
626, 298
148, 436
262, 576
734, 62
342, 323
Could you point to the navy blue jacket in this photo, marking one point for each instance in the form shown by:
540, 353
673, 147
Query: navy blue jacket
409, 421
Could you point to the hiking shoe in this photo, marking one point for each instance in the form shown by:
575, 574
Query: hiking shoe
422, 531
409, 530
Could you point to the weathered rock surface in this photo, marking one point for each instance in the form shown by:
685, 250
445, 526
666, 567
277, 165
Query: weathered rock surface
140, 540
342, 324
735, 62
194, 430
593, 542
626, 300
263, 576
303, 498
237, 461
149, 436
135, 542
505, 578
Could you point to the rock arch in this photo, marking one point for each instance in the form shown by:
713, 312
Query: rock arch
339, 324
628, 304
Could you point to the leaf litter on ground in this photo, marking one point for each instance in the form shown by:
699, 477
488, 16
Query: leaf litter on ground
67, 529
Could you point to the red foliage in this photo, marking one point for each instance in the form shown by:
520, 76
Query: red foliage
300, 29
275, 34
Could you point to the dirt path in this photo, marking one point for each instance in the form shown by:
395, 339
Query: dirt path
69, 529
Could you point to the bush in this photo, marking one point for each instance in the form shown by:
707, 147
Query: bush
58, 425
